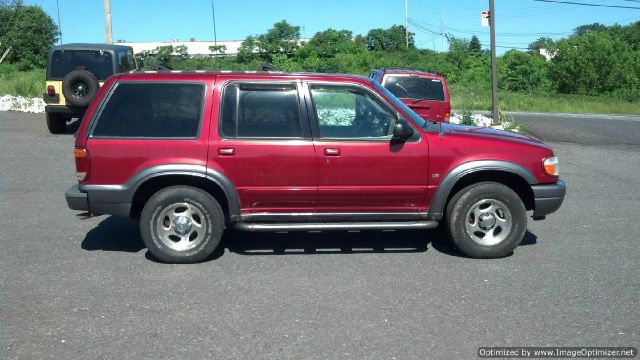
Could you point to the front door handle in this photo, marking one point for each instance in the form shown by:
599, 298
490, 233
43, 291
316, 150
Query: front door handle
226, 151
332, 152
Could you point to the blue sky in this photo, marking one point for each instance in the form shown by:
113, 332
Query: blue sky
518, 21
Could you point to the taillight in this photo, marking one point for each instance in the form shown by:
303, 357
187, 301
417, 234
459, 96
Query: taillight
82, 163
51, 90
447, 116
551, 166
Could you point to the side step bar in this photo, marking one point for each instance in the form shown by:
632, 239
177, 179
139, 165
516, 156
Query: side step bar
400, 225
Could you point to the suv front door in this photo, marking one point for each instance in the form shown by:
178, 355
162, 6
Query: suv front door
360, 169
263, 145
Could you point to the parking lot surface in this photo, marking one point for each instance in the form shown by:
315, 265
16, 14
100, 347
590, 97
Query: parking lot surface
75, 289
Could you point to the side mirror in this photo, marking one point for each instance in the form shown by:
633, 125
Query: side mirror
401, 131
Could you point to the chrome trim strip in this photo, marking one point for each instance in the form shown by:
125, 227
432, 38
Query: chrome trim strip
342, 216
430, 224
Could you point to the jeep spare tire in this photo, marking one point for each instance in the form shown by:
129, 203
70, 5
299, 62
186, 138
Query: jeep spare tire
79, 87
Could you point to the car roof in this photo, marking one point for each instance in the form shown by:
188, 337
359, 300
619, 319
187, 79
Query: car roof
206, 74
410, 71
87, 46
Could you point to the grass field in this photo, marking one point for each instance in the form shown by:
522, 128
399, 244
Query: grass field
31, 84
467, 98
23, 83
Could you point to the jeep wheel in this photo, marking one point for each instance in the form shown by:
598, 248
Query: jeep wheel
56, 123
486, 220
79, 87
181, 224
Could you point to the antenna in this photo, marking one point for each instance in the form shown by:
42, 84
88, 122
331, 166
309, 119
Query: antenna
59, 26
406, 26
213, 16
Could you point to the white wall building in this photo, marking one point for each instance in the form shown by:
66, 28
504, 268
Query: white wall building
194, 48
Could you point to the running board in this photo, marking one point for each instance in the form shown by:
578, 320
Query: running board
399, 225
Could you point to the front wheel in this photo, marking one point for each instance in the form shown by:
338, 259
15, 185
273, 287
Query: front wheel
181, 224
486, 220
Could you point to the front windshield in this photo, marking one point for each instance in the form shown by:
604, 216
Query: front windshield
405, 109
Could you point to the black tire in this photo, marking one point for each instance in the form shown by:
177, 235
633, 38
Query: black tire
56, 123
162, 235
79, 87
509, 220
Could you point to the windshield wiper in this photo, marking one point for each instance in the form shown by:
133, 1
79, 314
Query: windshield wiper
421, 99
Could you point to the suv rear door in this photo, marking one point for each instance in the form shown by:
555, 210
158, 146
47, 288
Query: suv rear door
263, 145
426, 95
359, 168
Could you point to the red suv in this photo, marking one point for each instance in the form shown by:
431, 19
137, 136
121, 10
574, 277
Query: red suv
190, 154
425, 92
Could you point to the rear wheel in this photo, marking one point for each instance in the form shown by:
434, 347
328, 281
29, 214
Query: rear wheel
56, 123
486, 220
181, 224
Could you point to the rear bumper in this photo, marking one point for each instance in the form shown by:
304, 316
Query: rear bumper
72, 111
81, 200
76, 199
548, 198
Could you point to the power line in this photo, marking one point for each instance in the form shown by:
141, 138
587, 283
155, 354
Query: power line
588, 4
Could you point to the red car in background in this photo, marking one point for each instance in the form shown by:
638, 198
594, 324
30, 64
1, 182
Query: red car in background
425, 92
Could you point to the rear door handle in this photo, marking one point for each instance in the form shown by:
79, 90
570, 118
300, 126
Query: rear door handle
332, 152
226, 151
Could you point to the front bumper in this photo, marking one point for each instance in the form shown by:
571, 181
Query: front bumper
76, 199
547, 198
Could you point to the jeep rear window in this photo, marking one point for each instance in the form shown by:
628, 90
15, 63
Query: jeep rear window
413, 87
152, 110
97, 62
260, 111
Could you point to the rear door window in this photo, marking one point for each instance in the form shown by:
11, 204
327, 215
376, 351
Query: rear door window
413, 87
97, 62
251, 110
152, 110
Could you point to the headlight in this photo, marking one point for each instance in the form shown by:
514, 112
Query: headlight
551, 166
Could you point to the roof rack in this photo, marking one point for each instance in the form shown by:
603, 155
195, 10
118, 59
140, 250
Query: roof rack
432, 72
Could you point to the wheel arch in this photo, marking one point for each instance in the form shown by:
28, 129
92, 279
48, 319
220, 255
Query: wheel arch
213, 183
513, 175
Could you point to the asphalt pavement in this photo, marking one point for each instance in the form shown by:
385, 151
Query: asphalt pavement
75, 289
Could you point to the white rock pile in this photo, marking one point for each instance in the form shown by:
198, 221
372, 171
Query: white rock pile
478, 119
22, 104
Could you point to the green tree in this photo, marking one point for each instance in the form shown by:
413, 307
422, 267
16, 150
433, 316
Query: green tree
247, 50
589, 28
595, 63
218, 49
391, 39
522, 72
282, 38
475, 47
164, 53
542, 43
29, 32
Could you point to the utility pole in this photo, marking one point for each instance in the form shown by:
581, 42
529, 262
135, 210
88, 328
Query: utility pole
213, 16
406, 17
494, 67
442, 24
107, 21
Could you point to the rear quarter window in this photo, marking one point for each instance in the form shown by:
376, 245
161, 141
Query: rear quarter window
151, 110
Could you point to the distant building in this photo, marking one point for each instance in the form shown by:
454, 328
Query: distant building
194, 46
547, 54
